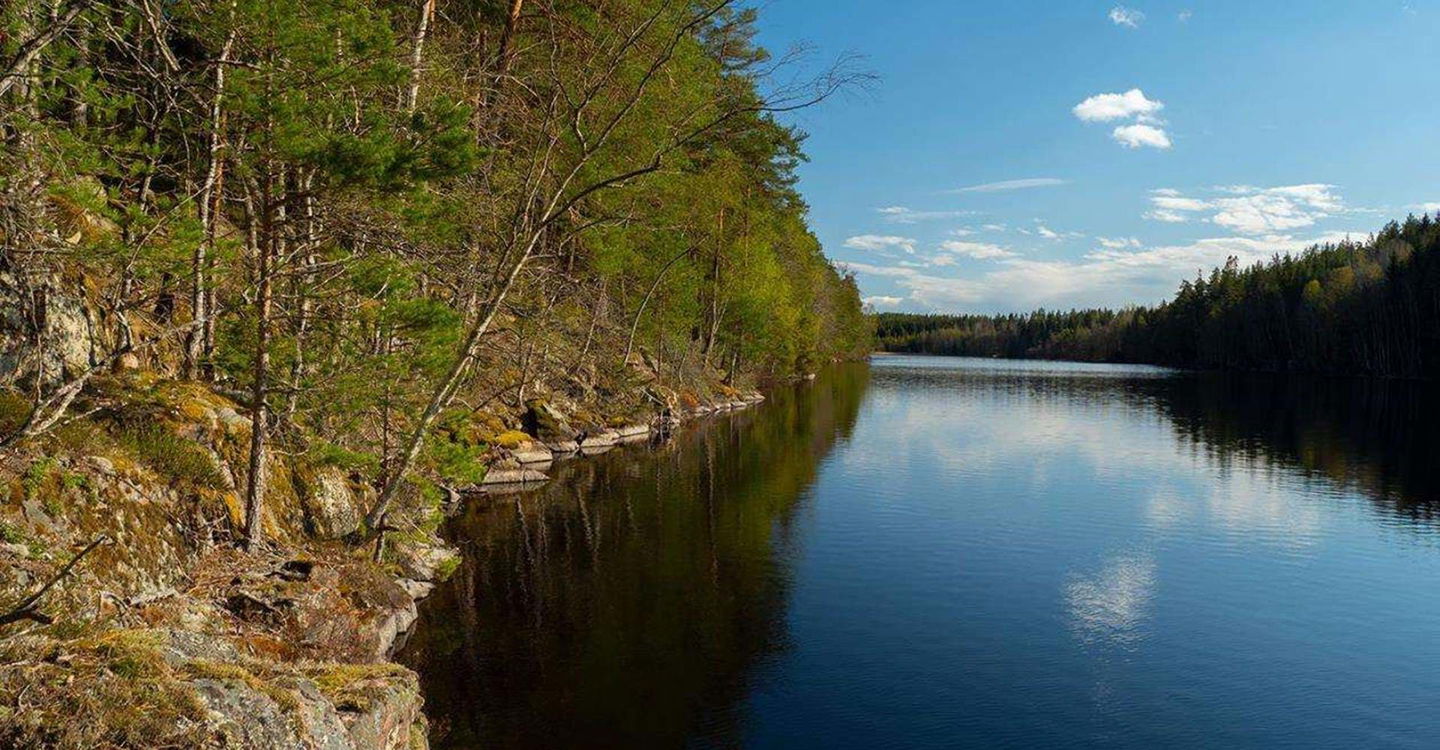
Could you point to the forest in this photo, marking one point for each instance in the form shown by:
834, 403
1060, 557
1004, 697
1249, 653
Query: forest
1356, 308
367, 219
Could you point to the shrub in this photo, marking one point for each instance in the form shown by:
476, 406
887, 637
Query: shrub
169, 454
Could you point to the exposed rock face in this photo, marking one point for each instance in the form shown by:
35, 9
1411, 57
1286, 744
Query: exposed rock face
563, 447
546, 422
365, 709
43, 331
599, 439
533, 452
332, 509
392, 719
514, 476
423, 562
635, 433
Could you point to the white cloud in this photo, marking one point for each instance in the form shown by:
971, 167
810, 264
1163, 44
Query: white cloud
905, 215
1169, 217
1429, 208
976, 250
962, 232
1171, 200
1118, 243
1127, 17
1185, 15
1050, 234
994, 227
1250, 210
943, 260
995, 187
1136, 136
880, 242
874, 270
1105, 277
1146, 130
1107, 107
883, 301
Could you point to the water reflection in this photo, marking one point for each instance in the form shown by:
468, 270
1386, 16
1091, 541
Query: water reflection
627, 603
1379, 438
1109, 606
1014, 554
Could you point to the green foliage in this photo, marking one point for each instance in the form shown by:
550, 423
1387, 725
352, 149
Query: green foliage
11, 534
620, 147
1352, 308
325, 453
168, 454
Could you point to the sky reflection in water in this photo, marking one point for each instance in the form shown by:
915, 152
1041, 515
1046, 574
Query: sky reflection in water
941, 553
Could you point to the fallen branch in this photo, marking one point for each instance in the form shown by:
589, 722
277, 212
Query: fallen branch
29, 608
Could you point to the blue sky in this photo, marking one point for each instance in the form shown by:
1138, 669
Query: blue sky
1110, 150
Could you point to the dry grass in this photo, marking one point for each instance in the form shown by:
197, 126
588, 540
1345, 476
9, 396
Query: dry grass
111, 691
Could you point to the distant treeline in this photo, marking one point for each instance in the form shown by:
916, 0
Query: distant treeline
1369, 308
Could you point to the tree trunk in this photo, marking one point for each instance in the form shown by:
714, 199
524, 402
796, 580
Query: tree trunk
635, 324
712, 322
440, 399
210, 193
265, 255
417, 54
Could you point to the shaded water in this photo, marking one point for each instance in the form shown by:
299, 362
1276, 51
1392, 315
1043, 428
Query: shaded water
933, 552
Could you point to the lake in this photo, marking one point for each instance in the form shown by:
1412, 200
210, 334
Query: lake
930, 552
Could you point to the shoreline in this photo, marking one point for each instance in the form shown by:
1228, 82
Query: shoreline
292, 645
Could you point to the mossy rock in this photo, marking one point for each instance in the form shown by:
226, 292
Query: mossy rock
511, 439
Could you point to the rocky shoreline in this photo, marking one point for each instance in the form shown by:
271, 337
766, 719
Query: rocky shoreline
169, 633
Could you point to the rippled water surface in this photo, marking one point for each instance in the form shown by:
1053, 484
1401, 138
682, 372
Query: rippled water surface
928, 553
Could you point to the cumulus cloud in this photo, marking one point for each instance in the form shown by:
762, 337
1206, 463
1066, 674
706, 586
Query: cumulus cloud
1117, 243
1145, 130
880, 242
906, 215
1127, 17
1429, 208
1139, 135
1107, 107
883, 301
1250, 210
996, 187
976, 250
1185, 15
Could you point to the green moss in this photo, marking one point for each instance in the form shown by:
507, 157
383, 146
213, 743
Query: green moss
447, 568
286, 699
84, 438
36, 475
14, 408
354, 687
169, 455
511, 439
115, 690
11, 534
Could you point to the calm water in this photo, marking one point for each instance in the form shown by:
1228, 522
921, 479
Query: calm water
929, 553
